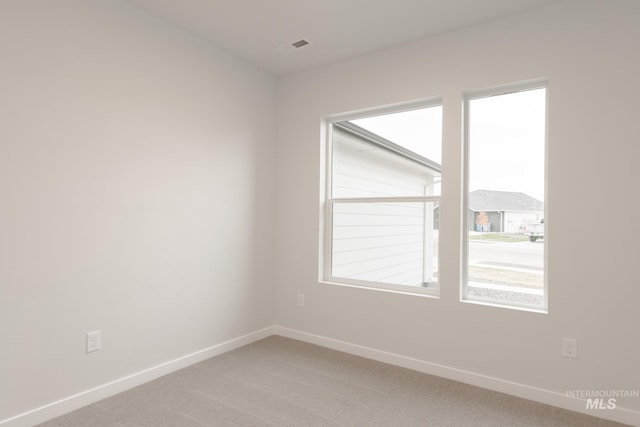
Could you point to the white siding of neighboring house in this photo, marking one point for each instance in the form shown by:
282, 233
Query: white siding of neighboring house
379, 242
515, 222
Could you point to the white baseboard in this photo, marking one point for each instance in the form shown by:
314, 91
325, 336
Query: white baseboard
77, 401
548, 397
71, 403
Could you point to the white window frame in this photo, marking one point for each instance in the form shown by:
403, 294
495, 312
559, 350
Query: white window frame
326, 228
467, 97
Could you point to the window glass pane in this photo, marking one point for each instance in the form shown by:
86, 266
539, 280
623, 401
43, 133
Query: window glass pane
391, 242
392, 155
363, 169
419, 130
506, 170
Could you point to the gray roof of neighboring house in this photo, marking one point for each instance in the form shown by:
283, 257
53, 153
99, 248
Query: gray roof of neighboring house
490, 200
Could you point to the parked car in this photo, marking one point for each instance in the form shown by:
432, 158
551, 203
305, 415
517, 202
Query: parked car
535, 231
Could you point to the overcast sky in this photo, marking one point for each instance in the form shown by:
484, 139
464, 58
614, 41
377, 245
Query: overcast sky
507, 143
418, 130
506, 139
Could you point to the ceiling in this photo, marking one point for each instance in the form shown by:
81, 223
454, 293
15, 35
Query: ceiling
259, 30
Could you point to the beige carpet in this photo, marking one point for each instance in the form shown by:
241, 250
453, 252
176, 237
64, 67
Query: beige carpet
283, 382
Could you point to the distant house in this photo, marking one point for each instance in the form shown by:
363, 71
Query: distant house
502, 211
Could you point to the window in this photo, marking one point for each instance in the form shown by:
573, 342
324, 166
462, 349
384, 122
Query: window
382, 199
505, 197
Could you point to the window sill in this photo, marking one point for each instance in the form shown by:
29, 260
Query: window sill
398, 289
506, 306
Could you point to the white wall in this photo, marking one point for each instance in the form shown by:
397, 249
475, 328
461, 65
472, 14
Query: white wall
588, 49
136, 196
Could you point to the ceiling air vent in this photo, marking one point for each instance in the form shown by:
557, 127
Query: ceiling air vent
292, 47
299, 44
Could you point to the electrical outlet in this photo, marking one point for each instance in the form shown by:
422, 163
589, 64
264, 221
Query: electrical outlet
93, 341
300, 300
570, 347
